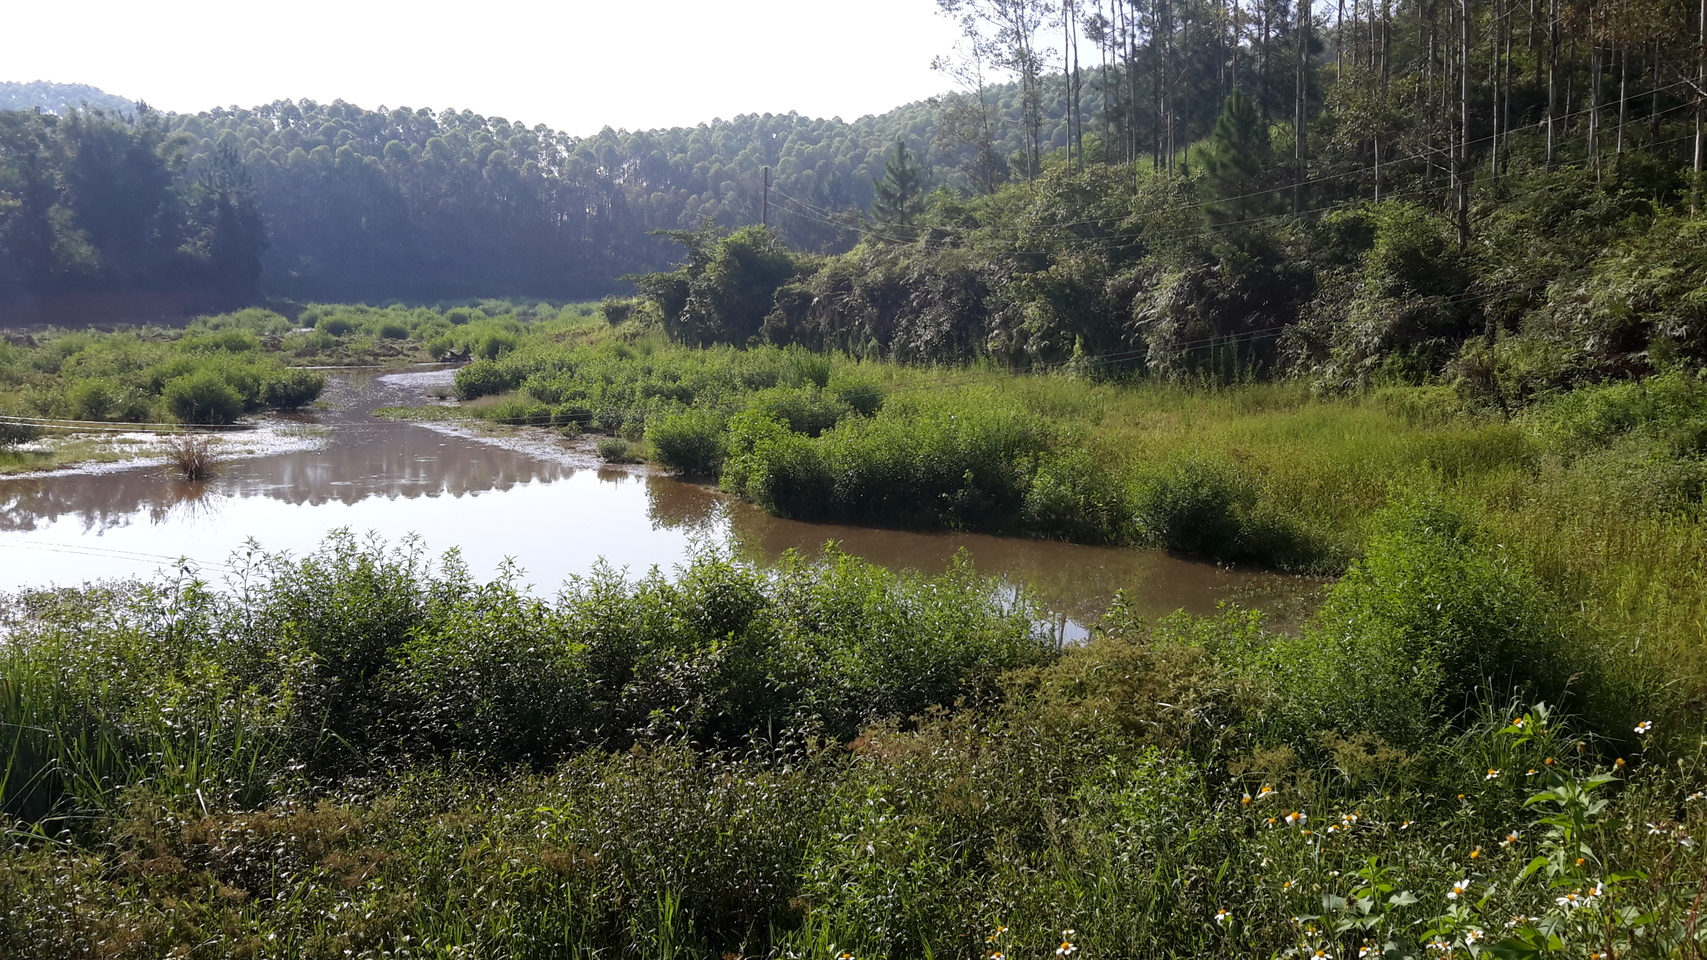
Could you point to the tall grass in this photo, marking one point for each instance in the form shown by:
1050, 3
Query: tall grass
360, 754
1599, 492
192, 456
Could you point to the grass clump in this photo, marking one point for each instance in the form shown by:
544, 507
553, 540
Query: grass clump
192, 456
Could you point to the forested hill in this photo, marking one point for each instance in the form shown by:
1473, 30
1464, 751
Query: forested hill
411, 203
60, 98
417, 204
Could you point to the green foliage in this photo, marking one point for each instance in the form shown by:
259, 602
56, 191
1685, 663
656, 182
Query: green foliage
1434, 620
202, 397
899, 196
690, 442
726, 288
1236, 159
1196, 504
1073, 810
291, 389
14, 432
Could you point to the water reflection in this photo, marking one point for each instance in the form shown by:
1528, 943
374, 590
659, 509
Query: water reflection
554, 514
1075, 582
362, 458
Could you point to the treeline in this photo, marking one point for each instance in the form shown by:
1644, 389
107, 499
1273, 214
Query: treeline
1500, 196
96, 201
380, 204
1246, 113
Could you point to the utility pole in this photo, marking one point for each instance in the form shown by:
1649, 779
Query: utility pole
1553, 75
1300, 121
1461, 162
1700, 87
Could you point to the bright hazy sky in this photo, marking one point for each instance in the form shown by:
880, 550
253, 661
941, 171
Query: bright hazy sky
576, 65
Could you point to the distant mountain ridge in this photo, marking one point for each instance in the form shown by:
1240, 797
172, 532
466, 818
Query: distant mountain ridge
57, 98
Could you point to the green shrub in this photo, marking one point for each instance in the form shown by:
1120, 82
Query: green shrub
392, 330
690, 442
1076, 497
493, 344
290, 389
1668, 410
484, 378
615, 450
335, 326
517, 410
94, 399
14, 432
1194, 503
202, 397
1433, 621
803, 410
865, 397
228, 340
779, 470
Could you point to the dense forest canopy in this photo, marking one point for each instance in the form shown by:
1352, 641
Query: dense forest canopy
1359, 193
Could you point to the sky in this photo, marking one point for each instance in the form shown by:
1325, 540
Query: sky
574, 65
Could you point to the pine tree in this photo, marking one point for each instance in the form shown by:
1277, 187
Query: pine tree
1235, 158
900, 194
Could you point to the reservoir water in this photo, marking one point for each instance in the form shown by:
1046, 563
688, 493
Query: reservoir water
546, 504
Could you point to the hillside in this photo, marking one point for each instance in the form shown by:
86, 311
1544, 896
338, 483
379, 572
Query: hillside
60, 98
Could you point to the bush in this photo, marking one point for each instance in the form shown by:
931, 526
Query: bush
335, 326
14, 432
95, 399
493, 344
1193, 503
1435, 620
202, 397
1075, 497
804, 410
779, 470
484, 378
290, 389
690, 442
615, 450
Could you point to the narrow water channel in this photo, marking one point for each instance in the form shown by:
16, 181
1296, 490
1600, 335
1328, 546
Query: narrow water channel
546, 504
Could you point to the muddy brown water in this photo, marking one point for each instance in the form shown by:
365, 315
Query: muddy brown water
545, 505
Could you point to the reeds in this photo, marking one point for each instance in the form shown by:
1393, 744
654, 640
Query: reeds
192, 456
